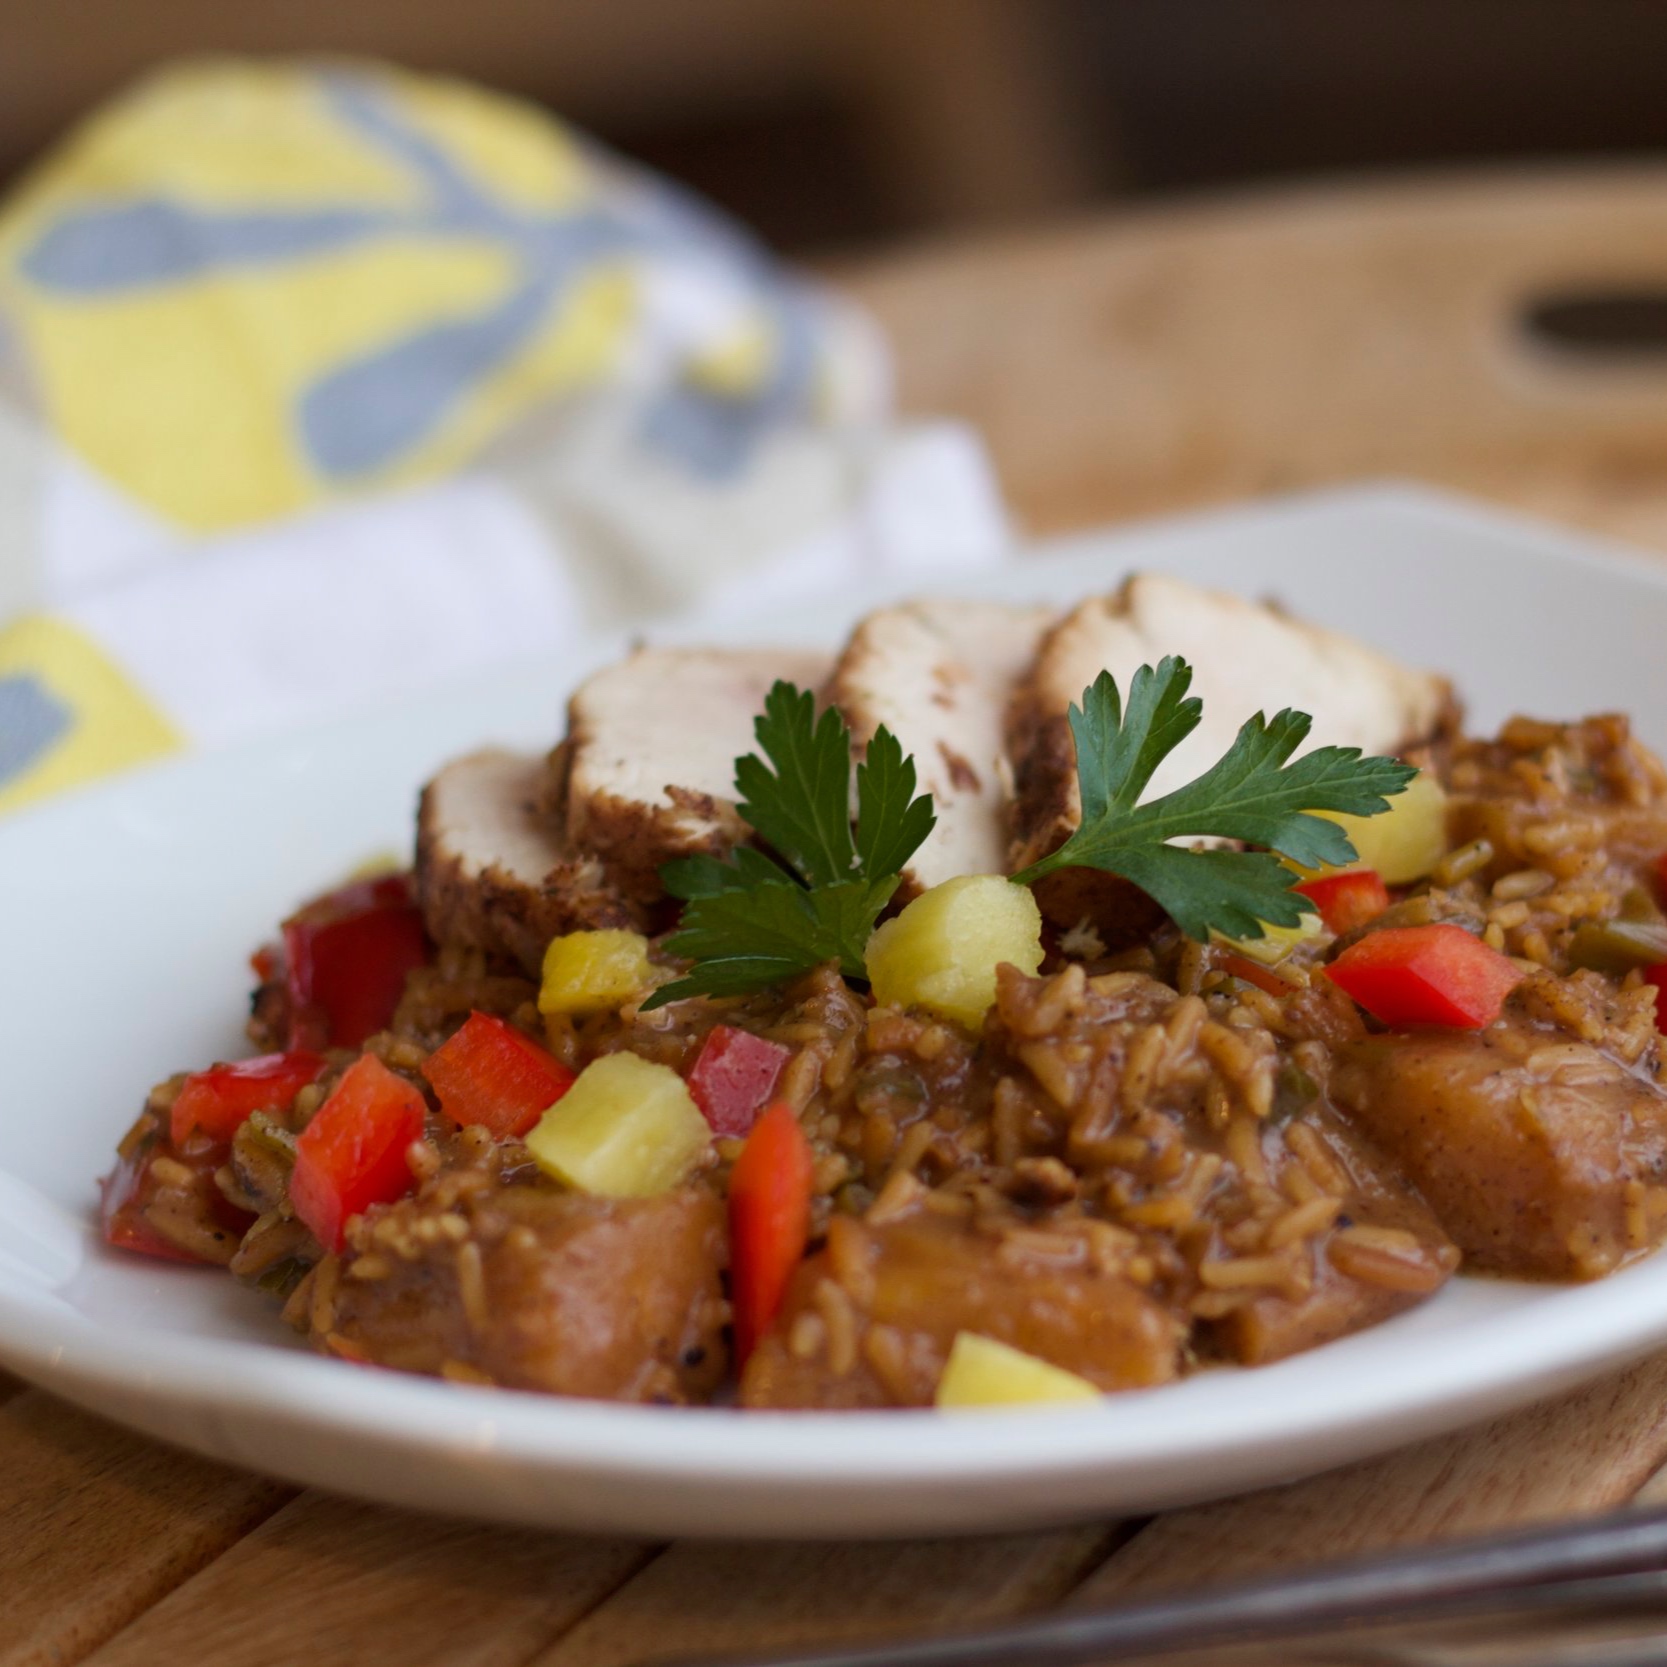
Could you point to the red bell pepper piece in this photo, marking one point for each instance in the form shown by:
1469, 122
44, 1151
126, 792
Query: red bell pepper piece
347, 955
352, 1154
1657, 975
1346, 901
220, 1099
123, 1194
1426, 975
769, 1221
733, 1076
491, 1075
1253, 972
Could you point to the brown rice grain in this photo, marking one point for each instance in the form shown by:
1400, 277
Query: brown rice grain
840, 1318
1303, 1222
806, 1336
1521, 884
1237, 1272
471, 1286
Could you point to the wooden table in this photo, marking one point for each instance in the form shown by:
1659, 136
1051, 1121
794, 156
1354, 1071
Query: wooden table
1118, 368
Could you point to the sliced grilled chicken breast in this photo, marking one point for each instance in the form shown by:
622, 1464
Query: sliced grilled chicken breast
940, 676
651, 750
494, 871
1246, 657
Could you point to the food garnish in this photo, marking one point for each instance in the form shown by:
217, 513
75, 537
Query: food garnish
1252, 794
757, 920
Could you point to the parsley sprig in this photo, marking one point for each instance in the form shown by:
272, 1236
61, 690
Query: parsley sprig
1252, 794
757, 919
760, 917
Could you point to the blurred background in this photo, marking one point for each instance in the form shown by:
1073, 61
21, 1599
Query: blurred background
839, 125
333, 297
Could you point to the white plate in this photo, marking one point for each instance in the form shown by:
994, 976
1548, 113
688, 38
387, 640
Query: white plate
128, 912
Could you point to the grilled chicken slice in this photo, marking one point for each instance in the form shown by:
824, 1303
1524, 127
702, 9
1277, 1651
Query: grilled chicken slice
493, 870
1246, 657
940, 676
651, 750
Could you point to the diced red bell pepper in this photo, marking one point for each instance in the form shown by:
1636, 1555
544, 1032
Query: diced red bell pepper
1657, 975
491, 1075
733, 1076
1346, 901
127, 1191
346, 957
769, 1221
1426, 975
1253, 972
123, 1194
352, 1154
220, 1099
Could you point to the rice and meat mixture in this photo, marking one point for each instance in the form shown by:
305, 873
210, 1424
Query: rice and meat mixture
1146, 1160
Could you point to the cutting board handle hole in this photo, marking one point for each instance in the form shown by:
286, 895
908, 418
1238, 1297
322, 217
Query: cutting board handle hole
1600, 326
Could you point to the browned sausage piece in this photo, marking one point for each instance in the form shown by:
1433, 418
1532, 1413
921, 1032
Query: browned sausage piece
1537, 1153
615, 1299
870, 1321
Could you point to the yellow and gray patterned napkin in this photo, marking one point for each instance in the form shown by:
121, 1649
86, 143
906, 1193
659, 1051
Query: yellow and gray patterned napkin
324, 383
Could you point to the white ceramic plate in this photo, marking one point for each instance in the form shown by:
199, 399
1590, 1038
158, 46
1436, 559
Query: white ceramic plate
128, 912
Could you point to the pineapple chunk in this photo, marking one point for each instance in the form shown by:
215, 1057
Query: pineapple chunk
1275, 943
1405, 842
942, 952
981, 1372
590, 972
627, 1128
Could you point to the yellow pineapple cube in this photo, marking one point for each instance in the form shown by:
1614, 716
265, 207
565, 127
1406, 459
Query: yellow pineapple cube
591, 972
981, 1372
1405, 842
942, 951
627, 1128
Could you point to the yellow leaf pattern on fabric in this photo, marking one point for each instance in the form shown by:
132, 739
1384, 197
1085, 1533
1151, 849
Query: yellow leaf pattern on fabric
68, 713
245, 290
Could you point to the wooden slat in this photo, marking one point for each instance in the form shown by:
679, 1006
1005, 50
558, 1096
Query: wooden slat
333, 1583
700, 1597
1138, 363
98, 1524
1585, 1452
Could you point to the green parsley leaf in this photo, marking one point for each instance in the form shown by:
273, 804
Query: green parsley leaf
1253, 794
892, 824
752, 921
691, 877
741, 941
802, 809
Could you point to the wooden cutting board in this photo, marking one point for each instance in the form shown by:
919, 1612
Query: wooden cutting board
1118, 368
